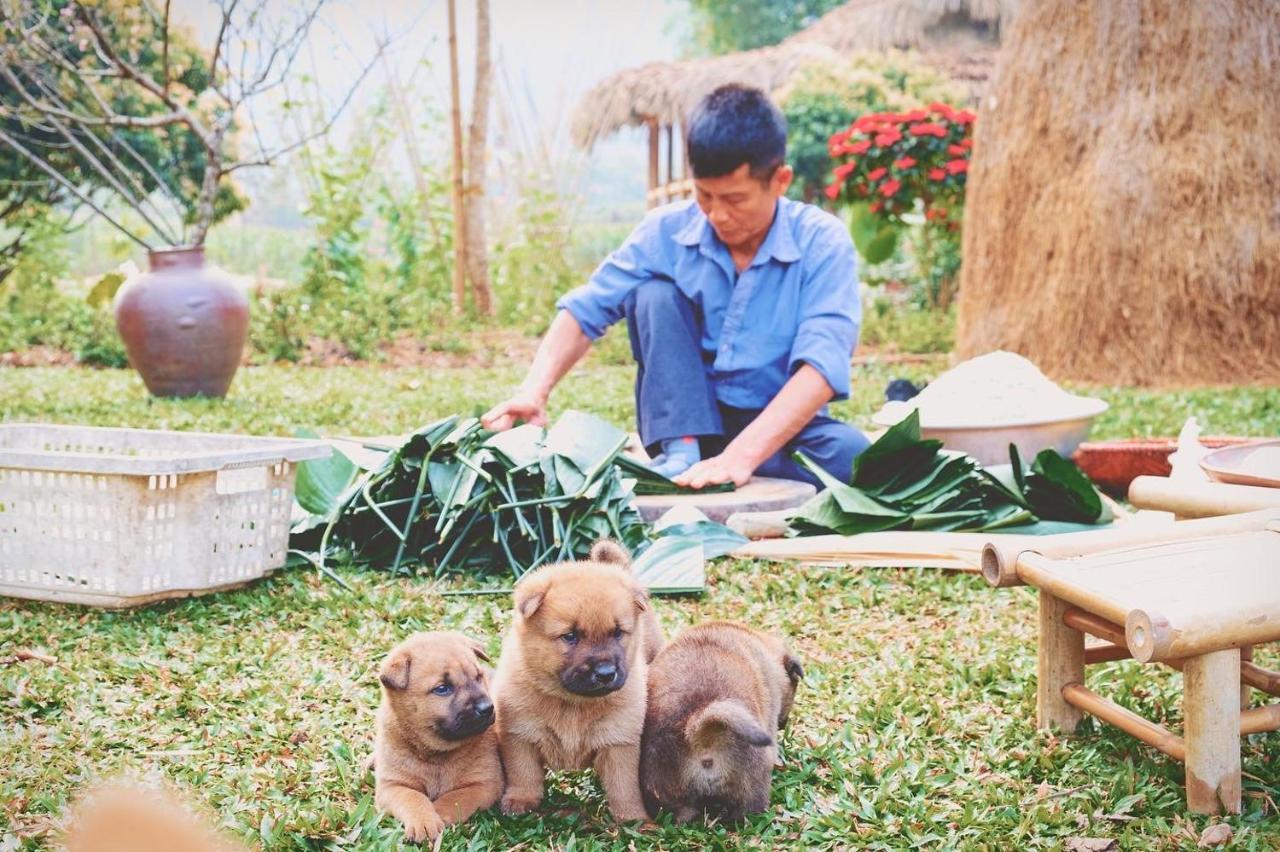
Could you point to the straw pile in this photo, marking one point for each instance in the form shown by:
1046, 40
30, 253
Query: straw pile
1122, 221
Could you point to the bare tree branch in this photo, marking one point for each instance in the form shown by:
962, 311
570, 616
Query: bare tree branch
69, 186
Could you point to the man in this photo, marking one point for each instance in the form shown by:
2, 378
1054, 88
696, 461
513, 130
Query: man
743, 312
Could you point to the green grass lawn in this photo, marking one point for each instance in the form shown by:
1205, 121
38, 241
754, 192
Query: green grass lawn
914, 727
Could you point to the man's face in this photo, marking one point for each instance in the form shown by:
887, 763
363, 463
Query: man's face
739, 206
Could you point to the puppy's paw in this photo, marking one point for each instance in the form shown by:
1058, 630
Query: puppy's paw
424, 825
630, 814
520, 802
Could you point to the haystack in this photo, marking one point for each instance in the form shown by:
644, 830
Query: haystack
1123, 215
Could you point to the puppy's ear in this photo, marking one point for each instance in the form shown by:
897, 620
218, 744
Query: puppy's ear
529, 595
479, 650
794, 670
641, 595
608, 550
395, 670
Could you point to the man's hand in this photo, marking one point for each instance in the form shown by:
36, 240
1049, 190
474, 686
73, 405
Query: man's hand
726, 467
523, 406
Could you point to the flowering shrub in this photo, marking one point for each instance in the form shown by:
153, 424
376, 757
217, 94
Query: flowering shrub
889, 160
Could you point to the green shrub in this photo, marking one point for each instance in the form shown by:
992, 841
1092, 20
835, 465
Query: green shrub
898, 325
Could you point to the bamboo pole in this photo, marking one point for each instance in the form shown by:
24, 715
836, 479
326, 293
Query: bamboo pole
1087, 622
1211, 707
1200, 499
1110, 652
1036, 570
653, 159
1259, 720
1263, 680
1000, 555
1060, 661
1153, 638
1157, 736
459, 217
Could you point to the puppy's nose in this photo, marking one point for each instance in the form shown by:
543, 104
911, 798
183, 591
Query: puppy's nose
604, 673
482, 709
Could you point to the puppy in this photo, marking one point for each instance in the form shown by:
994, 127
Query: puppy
570, 685
716, 695
436, 755
123, 816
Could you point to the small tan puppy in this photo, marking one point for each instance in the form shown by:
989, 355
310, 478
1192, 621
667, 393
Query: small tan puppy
436, 755
122, 816
570, 686
717, 693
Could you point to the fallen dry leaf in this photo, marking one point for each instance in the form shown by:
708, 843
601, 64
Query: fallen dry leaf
1091, 844
1218, 834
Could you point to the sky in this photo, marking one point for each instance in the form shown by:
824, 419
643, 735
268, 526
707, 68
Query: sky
547, 53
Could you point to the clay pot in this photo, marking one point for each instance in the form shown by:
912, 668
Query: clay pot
184, 324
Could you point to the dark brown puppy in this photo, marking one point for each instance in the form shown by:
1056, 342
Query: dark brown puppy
436, 755
570, 686
717, 693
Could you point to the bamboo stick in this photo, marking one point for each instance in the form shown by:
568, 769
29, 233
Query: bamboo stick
1000, 555
1211, 707
1157, 736
1260, 679
1258, 720
1200, 499
1110, 652
1087, 622
1036, 570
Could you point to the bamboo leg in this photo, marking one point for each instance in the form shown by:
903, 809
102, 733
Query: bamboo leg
1060, 662
1246, 691
1211, 705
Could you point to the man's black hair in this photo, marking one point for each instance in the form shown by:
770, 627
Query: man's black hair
733, 125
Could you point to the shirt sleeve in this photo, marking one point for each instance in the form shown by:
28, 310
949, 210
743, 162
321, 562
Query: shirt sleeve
600, 302
830, 314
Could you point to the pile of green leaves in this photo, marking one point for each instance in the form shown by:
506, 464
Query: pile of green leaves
903, 481
456, 497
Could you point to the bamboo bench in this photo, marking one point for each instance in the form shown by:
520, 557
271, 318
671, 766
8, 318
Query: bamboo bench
1198, 602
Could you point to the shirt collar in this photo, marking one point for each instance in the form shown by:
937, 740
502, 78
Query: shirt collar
779, 243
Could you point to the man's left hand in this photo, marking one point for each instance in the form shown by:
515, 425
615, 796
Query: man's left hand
716, 470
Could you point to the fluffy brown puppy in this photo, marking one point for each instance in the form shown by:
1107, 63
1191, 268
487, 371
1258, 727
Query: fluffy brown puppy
717, 693
436, 755
570, 685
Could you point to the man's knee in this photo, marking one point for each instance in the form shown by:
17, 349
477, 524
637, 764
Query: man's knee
655, 298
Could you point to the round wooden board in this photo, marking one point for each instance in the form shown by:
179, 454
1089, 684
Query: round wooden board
761, 494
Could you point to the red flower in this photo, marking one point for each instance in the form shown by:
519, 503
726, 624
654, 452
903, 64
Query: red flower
915, 115
966, 143
942, 109
890, 187
964, 117
876, 206
927, 128
958, 167
904, 163
842, 171
956, 150
833, 191
937, 174
876, 174
858, 147
884, 140
935, 213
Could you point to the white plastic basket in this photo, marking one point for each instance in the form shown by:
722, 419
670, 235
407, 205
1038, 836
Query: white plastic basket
120, 517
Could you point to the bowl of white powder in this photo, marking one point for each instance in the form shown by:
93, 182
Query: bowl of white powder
983, 405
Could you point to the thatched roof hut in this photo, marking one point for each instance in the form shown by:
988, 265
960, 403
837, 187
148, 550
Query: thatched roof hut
958, 35
1121, 220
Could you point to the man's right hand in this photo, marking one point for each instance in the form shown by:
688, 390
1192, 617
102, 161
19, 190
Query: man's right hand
522, 407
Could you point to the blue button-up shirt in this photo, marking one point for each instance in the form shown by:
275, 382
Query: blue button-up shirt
797, 303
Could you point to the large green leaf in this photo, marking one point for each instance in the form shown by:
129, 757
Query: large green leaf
1057, 490
321, 482
874, 237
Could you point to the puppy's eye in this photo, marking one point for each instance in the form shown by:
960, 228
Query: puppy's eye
617, 633
443, 689
571, 637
